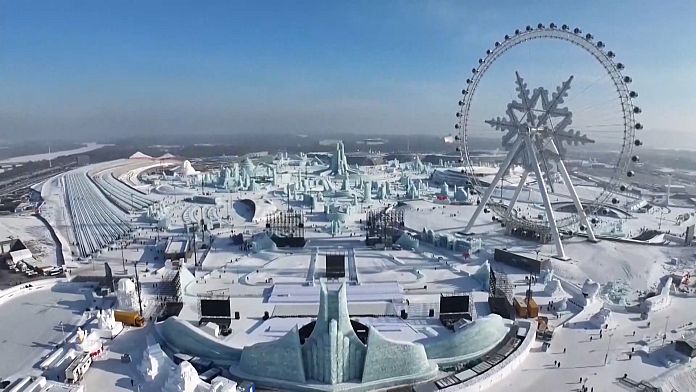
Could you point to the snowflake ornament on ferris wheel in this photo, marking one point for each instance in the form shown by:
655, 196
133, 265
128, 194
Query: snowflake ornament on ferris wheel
536, 137
543, 115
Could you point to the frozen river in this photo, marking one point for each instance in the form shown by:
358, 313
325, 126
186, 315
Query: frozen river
30, 325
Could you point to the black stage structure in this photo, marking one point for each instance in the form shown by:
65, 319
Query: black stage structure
523, 262
286, 229
335, 265
214, 310
454, 308
383, 227
500, 295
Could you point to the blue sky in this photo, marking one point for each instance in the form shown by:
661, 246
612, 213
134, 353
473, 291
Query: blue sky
91, 69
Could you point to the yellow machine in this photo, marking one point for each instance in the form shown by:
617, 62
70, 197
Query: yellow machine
131, 318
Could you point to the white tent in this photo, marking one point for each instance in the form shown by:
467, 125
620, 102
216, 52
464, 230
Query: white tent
20, 255
139, 155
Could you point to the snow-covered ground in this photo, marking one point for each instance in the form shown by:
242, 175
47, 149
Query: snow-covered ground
250, 278
31, 325
33, 233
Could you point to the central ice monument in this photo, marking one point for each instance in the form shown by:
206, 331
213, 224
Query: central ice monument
333, 357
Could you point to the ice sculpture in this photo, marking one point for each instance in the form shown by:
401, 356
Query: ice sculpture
154, 361
221, 384
468, 342
406, 241
333, 353
413, 191
248, 167
183, 379
483, 275
603, 319
367, 192
660, 301
261, 242
444, 190
186, 169
461, 195
590, 289
106, 319
339, 163
107, 325
546, 275
418, 166
335, 227
126, 294
554, 289
389, 358
91, 343
331, 339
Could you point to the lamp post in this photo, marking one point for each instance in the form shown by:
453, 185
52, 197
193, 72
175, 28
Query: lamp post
606, 356
195, 254
137, 287
664, 335
62, 330
123, 258
202, 226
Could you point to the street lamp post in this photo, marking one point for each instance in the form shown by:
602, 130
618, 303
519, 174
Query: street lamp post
137, 286
123, 258
606, 356
62, 330
195, 254
202, 226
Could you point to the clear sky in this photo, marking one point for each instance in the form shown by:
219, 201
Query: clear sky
90, 69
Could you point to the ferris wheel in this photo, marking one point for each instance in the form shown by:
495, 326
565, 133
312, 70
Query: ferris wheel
537, 134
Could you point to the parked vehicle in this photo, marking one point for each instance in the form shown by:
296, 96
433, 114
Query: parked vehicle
210, 374
77, 368
131, 318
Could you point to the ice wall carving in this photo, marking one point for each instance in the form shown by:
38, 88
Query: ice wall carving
280, 359
389, 359
333, 353
476, 338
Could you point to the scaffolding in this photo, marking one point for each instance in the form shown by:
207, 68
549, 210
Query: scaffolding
286, 228
500, 285
384, 226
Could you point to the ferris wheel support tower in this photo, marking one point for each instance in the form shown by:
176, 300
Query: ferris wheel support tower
525, 144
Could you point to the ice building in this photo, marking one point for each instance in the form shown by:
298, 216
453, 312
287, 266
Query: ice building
333, 356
